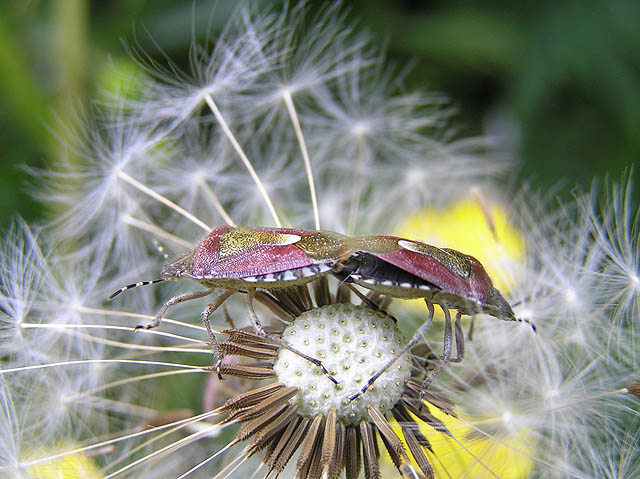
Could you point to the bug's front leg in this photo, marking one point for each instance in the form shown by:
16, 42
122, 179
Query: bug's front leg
181, 298
257, 325
417, 336
208, 311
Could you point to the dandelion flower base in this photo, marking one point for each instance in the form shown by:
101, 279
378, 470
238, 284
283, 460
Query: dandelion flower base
352, 342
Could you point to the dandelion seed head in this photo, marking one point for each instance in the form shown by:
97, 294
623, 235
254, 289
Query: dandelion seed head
551, 393
383, 161
352, 342
360, 128
512, 422
571, 296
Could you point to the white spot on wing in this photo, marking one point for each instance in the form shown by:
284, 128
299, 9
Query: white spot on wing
369, 281
408, 245
289, 239
406, 285
425, 287
387, 283
269, 278
250, 279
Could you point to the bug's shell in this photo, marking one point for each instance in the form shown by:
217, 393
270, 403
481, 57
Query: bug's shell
440, 275
237, 258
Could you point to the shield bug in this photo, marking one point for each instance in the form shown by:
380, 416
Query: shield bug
402, 268
244, 259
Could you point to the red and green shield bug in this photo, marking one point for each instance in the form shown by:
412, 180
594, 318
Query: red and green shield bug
244, 259
403, 268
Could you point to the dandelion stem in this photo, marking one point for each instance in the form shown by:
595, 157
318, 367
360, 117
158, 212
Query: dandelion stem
190, 422
216, 202
142, 347
585, 399
286, 94
96, 361
157, 196
127, 314
356, 190
118, 328
113, 406
131, 379
117, 439
168, 448
243, 157
156, 230
204, 462
232, 466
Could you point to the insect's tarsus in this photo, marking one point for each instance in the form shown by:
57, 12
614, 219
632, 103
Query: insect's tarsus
135, 285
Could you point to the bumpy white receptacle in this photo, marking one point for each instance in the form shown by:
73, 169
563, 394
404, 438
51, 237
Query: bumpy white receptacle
353, 343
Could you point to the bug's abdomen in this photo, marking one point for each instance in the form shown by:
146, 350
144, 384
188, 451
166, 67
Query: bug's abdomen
373, 273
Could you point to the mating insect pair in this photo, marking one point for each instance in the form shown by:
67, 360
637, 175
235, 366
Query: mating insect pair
241, 259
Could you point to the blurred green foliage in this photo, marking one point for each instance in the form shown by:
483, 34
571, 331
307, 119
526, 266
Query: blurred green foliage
562, 79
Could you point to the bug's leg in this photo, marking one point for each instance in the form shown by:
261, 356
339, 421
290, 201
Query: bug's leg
470, 331
259, 329
208, 311
417, 336
448, 336
459, 338
227, 317
446, 351
173, 301
364, 298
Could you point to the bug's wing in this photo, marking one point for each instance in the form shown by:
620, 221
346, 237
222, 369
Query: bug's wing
447, 269
240, 252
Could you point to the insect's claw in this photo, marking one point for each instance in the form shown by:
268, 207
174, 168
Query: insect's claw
151, 325
219, 374
364, 389
325, 371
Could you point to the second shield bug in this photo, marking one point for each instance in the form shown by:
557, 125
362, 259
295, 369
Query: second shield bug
402, 268
242, 259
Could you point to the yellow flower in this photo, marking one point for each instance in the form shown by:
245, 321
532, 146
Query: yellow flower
73, 466
485, 232
472, 454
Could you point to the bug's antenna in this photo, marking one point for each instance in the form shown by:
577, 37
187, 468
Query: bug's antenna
135, 285
531, 325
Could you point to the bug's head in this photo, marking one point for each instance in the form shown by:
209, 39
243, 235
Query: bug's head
170, 272
492, 301
501, 309
177, 269
498, 306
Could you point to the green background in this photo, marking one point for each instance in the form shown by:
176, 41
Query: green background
561, 78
